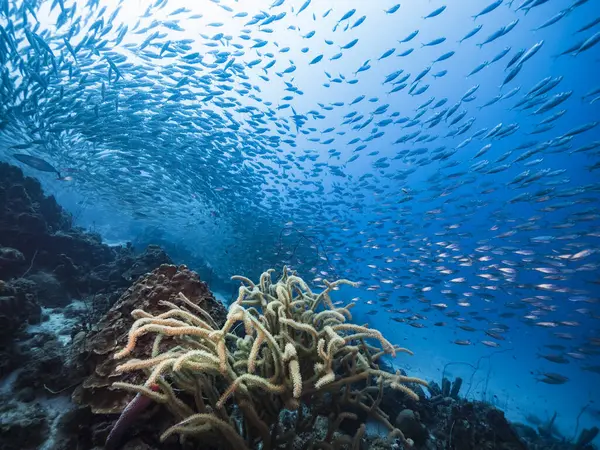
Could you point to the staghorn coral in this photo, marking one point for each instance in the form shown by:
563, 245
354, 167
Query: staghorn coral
299, 352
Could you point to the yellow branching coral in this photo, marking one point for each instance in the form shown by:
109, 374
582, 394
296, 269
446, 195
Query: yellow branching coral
295, 350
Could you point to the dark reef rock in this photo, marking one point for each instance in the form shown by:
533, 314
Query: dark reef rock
39, 243
126, 268
478, 426
49, 290
12, 262
36, 232
18, 307
45, 355
36, 226
408, 422
27, 432
24, 195
152, 257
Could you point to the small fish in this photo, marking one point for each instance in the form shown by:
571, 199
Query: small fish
553, 378
36, 163
479, 68
488, 9
553, 19
557, 359
346, 16
516, 57
589, 25
589, 43
303, 7
386, 54
532, 51
393, 9
471, 33
435, 12
410, 37
512, 74
553, 102
594, 369
316, 59
358, 22
500, 55
406, 52
434, 42
582, 254
350, 44
444, 57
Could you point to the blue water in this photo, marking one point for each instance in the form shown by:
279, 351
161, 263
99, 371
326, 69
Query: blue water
221, 169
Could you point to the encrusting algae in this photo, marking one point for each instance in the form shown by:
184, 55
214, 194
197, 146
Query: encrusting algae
299, 352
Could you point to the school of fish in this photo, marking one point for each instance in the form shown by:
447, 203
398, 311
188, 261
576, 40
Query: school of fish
433, 208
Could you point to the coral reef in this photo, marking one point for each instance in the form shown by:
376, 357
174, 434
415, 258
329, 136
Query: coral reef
298, 353
297, 373
49, 370
454, 423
